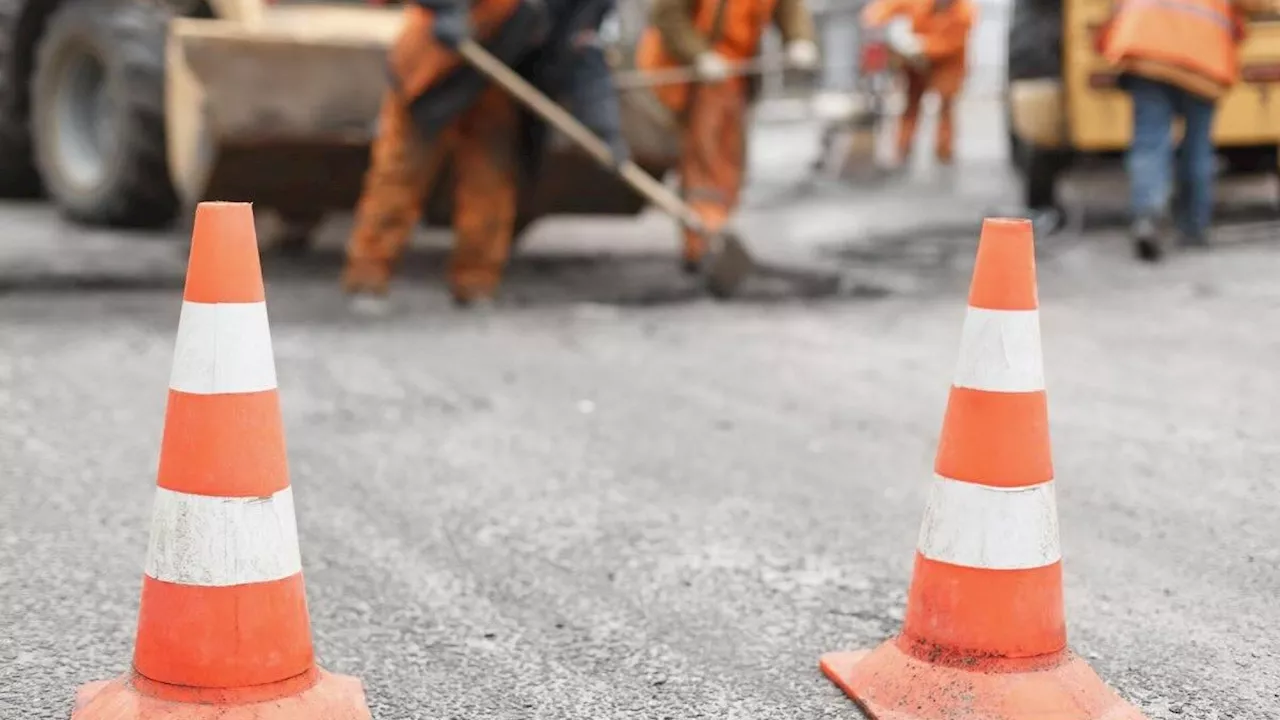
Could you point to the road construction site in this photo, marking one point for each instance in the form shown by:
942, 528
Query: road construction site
612, 497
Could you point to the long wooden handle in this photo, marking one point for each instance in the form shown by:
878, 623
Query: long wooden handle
671, 76
641, 181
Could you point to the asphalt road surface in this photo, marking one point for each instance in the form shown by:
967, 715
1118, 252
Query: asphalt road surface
609, 498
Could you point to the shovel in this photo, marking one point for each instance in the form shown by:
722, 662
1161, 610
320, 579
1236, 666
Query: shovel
672, 76
729, 264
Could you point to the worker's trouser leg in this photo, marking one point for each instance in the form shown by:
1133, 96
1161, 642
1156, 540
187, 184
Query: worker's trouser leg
1150, 158
713, 155
401, 169
917, 83
1196, 167
946, 129
484, 209
400, 176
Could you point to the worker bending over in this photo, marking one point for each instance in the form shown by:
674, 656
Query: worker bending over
932, 38
439, 108
1174, 59
710, 36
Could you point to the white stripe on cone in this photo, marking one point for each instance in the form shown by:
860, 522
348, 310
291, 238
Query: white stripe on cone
992, 528
1000, 351
223, 348
220, 541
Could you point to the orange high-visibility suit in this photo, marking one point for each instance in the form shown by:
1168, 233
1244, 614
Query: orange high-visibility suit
1193, 44
483, 141
942, 27
711, 114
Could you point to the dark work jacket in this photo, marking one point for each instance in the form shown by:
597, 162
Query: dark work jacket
538, 43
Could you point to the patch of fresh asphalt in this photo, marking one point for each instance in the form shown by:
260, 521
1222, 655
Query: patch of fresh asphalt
571, 509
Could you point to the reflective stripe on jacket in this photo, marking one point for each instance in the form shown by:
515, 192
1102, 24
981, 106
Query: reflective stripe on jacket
1189, 43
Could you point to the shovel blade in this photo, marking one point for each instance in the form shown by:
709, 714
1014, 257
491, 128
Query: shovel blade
729, 268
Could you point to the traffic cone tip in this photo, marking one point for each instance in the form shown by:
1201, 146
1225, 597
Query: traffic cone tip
1004, 274
224, 266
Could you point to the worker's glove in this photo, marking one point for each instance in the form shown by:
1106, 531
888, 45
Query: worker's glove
802, 54
711, 66
452, 26
903, 41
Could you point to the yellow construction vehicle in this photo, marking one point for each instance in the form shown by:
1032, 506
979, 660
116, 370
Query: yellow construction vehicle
1062, 104
127, 112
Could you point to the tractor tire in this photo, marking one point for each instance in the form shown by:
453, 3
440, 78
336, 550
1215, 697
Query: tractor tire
98, 127
18, 176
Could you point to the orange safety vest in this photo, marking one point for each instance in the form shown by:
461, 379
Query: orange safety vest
741, 27
944, 33
1189, 43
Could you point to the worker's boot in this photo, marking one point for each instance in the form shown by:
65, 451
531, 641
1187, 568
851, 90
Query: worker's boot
476, 266
474, 288
475, 303
473, 298
1148, 240
943, 153
1189, 236
366, 283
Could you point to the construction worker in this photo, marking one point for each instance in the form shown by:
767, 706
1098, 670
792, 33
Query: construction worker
709, 37
931, 37
439, 108
1174, 59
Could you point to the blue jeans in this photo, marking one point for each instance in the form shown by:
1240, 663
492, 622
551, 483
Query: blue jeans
1151, 155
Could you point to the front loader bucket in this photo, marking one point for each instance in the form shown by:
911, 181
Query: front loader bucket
279, 113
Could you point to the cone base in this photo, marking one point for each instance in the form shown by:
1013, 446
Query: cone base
888, 684
331, 697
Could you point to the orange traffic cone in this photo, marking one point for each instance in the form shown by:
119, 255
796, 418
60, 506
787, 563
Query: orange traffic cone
223, 628
984, 635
